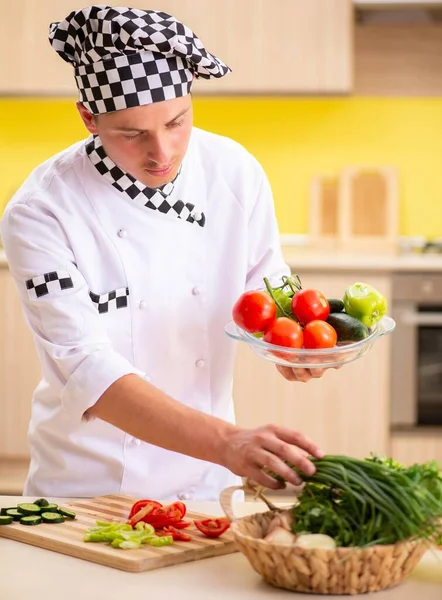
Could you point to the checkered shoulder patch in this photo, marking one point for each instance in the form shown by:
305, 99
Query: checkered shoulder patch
111, 300
42, 285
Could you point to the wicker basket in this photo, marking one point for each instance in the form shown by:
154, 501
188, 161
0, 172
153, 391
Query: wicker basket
338, 571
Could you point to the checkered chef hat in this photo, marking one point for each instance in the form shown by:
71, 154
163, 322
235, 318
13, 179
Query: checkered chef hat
126, 57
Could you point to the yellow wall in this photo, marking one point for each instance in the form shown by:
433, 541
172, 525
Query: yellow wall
294, 139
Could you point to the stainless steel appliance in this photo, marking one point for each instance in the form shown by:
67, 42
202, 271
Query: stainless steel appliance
417, 350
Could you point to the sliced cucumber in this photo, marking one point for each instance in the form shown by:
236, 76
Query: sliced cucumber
30, 520
5, 520
51, 517
41, 502
29, 509
67, 513
50, 508
14, 513
4, 511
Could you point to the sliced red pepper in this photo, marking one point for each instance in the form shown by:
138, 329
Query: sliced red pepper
213, 528
178, 536
141, 504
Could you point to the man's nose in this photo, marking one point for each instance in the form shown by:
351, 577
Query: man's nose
158, 151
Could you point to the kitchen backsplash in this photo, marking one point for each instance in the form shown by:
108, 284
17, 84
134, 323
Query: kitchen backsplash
293, 138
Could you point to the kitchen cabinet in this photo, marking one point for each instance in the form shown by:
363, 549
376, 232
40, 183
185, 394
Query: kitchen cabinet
346, 411
287, 46
19, 372
419, 445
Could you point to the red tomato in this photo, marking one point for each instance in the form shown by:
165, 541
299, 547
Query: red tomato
319, 334
142, 504
213, 527
310, 305
178, 536
254, 311
182, 524
159, 516
284, 332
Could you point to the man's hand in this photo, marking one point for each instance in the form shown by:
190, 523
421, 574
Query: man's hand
303, 375
251, 452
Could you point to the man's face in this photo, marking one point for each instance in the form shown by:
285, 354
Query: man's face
149, 142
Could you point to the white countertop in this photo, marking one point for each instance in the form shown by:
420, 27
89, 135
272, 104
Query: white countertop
305, 258
300, 257
28, 572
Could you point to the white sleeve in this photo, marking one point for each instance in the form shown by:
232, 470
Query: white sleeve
265, 254
58, 309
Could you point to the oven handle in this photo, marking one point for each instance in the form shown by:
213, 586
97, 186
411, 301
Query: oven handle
417, 318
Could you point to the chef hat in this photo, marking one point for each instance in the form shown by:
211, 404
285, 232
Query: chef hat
126, 57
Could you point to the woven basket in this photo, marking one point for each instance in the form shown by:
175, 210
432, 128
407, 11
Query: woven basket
338, 571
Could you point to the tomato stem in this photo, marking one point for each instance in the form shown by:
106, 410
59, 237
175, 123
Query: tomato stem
270, 291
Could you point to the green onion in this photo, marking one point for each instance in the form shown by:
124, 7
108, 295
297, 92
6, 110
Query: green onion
371, 501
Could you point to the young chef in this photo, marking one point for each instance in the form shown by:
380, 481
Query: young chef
129, 250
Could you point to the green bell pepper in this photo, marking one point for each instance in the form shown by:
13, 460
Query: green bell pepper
362, 301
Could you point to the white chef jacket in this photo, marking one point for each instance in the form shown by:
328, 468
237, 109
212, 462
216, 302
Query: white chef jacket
178, 282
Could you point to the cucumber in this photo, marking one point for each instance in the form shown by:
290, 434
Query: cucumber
29, 509
348, 328
30, 520
67, 513
336, 306
52, 517
41, 502
14, 513
4, 511
5, 520
50, 508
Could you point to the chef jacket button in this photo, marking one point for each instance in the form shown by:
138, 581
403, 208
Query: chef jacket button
136, 442
184, 496
142, 305
122, 233
197, 216
200, 363
197, 290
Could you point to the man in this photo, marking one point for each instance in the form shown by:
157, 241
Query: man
129, 250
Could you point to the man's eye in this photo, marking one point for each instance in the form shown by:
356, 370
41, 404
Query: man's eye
133, 137
177, 123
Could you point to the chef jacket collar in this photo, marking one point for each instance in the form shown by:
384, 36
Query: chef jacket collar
153, 198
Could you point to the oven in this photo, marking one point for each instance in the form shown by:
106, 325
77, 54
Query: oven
416, 378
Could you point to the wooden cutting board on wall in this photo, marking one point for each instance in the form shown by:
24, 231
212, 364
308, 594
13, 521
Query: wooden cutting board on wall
355, 210
67, 538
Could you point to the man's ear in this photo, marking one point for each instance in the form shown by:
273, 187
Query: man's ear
88, 119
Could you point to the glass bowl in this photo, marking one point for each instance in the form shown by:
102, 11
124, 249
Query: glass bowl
303, 358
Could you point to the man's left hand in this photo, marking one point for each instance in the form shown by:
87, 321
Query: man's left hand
302, 375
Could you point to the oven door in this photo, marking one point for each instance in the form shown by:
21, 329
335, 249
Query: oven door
416, 365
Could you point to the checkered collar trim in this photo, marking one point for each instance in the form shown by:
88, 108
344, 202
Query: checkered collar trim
154, 198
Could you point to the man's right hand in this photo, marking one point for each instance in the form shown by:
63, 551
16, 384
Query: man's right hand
251, 452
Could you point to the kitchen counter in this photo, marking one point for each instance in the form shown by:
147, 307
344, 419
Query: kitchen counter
305, 258
29, 572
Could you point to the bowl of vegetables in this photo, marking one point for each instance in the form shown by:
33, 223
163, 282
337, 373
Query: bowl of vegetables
357, 526
302, 328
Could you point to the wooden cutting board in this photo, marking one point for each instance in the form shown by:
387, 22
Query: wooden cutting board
67, 538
